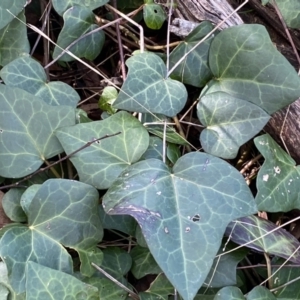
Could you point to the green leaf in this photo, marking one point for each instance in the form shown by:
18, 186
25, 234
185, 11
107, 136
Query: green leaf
77, 22
194, 68
62, 6
26, 127
154, 15
27, 74
247, 66
230, 123
160, 288
219, 276
229, 293
87, 257
147, 90
175, 211
290, 10
101, 163
27, 196
13, 38
260, 293
14, 8
109, 95
53, 220
143, 262
46, 283
11, 205
278, 179
285, 275
251, 228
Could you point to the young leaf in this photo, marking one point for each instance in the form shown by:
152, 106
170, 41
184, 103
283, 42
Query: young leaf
278, 179
247, 65
78, 21
147, 90
26, 126
13, 38
62, 6
230, 123
101, 163
46, 283
154, 15
27, 74
194, 68
279, 242
175, 211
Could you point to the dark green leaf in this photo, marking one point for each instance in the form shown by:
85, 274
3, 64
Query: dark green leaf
278, 242
229, 293
143, 262
260, 293
14, 7
101, 163
62, 6
26, 127
27, 74
27, 197
230, 123
13, 38
11, 205
247, 65
175, 211
146, 89
278, 179
45, 283
79, 21
194, 68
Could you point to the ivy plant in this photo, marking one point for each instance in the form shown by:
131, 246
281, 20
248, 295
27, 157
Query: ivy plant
189, 217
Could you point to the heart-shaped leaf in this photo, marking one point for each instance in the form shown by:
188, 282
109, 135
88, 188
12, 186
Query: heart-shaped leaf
247, 65
101, 163
77, 22
146, 88
26, 127
53, 219
230, 123
194, 68
46, 283
13, 39
175, 211
62, 6
279, 242
278, 179
14, 7
27, 74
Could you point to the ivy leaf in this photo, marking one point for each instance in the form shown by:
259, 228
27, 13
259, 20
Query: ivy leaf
175, 211
62, 6
230, 123
11, 205
87, 257
27, 74
147, 90
229, 293
194, 68
260, 293
26, 127
154, 15
252, 69
278, 179
101, 163
77, 22
13, 38
109, 95
14, 7
53, 219
46, 283
290, 10
280, 242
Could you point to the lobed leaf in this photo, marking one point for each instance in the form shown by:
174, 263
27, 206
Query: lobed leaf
175, 211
